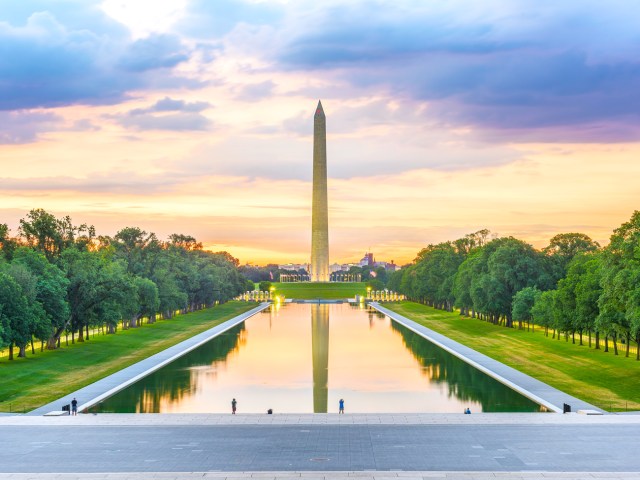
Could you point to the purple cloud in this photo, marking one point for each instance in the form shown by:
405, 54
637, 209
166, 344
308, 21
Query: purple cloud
513, 65
24, 127
45, 62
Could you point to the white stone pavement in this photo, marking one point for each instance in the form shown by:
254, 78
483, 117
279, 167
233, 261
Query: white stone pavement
190, 419
318, 475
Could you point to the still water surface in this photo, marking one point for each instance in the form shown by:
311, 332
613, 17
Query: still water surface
302, 358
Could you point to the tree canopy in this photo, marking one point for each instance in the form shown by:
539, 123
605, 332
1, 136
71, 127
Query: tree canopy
58, 278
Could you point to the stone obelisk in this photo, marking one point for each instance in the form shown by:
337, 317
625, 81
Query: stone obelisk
319, 210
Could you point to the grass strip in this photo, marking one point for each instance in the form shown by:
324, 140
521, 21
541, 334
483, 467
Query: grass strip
325, 291
602, 379
27, 383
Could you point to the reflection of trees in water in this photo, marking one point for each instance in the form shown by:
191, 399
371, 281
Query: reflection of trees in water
464, 382
177, 380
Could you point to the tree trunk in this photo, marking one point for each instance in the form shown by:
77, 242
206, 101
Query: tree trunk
615, 344
638, 347
87, 336
628, 341
111, 329
580, 333
22, 351
80, 334
33, 350
597, 340
11, 351
55, 338
606, 343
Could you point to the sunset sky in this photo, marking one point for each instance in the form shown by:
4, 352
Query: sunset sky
196, 117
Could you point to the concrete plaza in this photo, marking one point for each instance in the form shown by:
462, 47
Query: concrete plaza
321, 446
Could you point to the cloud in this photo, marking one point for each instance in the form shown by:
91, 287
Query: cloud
256, 91
167, 104
85, 125
206, 20
53, 59
111, 182
362, 141
25, 127
155, 51
177, 122
496, 65
167, 114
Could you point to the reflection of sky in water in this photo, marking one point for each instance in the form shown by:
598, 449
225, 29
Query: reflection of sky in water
305, 357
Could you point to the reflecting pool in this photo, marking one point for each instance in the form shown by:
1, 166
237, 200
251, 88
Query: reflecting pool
303, 358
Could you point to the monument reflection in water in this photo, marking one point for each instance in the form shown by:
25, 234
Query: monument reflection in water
303, 358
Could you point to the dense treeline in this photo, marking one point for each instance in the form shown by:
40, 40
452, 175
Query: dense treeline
571, 287
57, 278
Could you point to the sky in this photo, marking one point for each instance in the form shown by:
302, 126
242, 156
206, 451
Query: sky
443, 118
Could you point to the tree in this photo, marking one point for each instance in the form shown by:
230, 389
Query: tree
543, 311
138, 249
16, 316
50, 291
588, 291
51, 235
7, 244
523, 302
577, 295
375, 284
618, 302
564, 247
143, 301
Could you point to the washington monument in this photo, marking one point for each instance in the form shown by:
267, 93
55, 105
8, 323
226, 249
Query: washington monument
319, 210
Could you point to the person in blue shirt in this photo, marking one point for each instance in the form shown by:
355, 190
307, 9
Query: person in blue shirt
341, 406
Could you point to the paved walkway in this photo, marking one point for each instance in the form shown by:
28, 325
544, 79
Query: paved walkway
536, 390
97, 391
327, 476
213, 419
498, 445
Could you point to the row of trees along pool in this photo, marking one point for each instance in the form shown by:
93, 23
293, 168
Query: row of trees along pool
572, 287
58, 278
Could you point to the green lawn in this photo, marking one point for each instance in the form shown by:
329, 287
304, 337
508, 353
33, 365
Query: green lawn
610, 382
27, 383
327, 291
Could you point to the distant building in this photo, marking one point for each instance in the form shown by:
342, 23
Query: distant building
336, 267
367, 260
294, 267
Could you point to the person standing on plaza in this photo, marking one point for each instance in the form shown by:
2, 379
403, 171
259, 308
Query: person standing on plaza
341, 406
233, 406
74, 406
